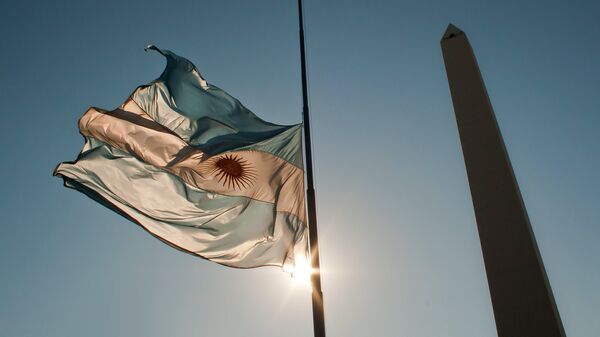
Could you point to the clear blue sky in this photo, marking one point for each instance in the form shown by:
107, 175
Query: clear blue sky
400, 251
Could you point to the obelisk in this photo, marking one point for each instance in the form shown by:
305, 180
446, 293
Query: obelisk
522, 299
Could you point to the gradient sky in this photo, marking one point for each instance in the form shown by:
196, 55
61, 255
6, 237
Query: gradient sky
400, 252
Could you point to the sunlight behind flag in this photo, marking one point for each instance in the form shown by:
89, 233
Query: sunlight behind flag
302, 271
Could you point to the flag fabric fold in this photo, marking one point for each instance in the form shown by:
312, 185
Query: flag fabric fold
198, 170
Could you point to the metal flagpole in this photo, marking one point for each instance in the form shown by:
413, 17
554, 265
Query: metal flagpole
521, 295
317, 294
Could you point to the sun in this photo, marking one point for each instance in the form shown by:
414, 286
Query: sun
302, 271
232, 171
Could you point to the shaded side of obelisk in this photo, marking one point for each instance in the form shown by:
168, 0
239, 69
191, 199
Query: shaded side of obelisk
521, 296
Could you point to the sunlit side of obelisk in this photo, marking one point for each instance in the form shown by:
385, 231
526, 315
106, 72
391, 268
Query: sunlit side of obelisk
521, 296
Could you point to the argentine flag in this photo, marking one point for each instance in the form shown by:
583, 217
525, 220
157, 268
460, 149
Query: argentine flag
195, 168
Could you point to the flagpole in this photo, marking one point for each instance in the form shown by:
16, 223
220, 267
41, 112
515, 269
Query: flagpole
317, 294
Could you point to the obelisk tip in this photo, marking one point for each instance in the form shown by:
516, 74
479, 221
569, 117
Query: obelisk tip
451, 32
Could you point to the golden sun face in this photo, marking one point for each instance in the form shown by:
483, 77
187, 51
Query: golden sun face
233, 171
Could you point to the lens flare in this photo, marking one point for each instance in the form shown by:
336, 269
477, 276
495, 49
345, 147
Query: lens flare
302, 271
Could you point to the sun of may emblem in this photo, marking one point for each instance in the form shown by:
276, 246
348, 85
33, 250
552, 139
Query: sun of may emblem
233, 171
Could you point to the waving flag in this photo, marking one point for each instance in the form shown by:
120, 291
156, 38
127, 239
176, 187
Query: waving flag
198, 170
